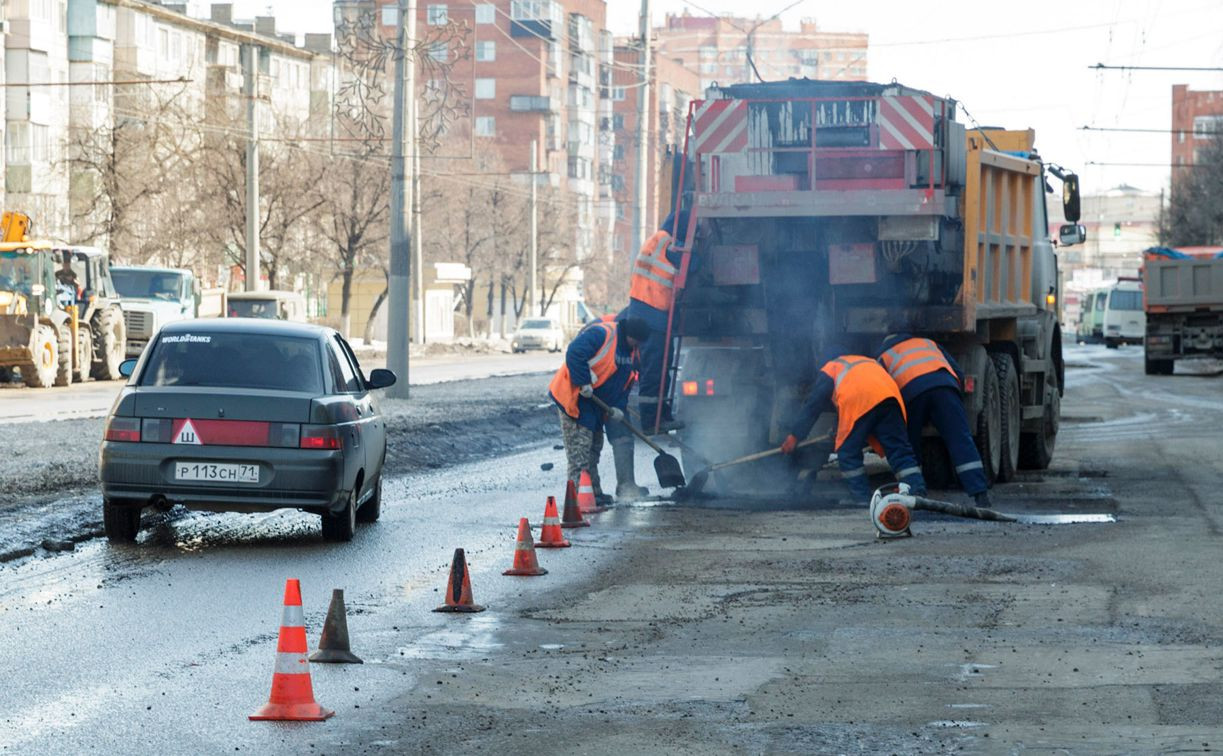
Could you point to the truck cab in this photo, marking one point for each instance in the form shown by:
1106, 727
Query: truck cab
151, 297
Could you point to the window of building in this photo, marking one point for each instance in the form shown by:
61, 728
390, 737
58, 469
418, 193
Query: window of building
17, 143
486, 13
618, 122
390, 15
486, 126
618, 153
101, 92
579, 167
40, 10
439, 51
1205, 127
486, 89
617, 93
618, 242
437, 15
486, 52
1180, 137
163, 43
40, 142
708, 51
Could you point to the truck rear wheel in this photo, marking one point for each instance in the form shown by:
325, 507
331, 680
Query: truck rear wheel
63, 362
1008, 396
112, 344
1158, 367
1036, 449
41, 373
936, 464
989, 424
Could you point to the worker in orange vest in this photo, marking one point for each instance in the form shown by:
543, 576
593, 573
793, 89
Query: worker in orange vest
869, 411
600, 361
930, 383
651, 292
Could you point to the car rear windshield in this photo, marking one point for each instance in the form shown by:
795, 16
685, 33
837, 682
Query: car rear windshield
536, 323
252, 308
235, 360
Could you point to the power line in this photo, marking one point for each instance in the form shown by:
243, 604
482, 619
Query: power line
179, 80
1103, 67
1135, 130
1147, 165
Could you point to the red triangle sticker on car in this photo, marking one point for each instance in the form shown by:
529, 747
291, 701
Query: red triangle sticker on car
185, 434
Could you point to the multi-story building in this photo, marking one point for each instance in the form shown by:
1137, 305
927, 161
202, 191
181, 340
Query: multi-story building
723, 49
1197, 117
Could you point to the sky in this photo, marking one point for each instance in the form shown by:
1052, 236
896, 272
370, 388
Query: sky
1016, 70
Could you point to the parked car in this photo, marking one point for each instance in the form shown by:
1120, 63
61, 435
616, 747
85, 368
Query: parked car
273, 305
245, 416
538, 333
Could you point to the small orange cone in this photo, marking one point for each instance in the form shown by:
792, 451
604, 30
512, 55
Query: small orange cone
525, 562
572, 516
292, 695
550, 535
586, 495
458, 589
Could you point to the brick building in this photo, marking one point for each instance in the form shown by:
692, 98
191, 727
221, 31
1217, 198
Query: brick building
717, 49
1196, 116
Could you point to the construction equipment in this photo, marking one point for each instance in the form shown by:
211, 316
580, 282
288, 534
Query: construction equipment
666, 467
60, 319
702, 476
826, 215
1183, 299
892, 505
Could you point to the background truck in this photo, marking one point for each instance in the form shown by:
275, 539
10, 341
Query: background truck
59, 315
830, 214
153, 296
1183, 300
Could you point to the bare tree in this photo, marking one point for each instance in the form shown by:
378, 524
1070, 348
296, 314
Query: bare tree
1195, 211
355, 220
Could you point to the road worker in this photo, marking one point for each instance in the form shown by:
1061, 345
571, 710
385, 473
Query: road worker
869, 411
651, 291
930, 383
598, 362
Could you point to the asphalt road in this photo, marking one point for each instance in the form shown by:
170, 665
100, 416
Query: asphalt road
19, 404
762, 626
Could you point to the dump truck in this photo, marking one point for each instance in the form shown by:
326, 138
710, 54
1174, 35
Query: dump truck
1183, 301
152, 296
60, 320
827, 215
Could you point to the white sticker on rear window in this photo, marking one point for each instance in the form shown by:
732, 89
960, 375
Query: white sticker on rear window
186, 337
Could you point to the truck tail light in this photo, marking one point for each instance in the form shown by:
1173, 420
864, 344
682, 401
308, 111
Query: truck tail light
709, 387
320, 437
123, 429
970, 384
691, 388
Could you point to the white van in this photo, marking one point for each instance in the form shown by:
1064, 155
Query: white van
1124, 321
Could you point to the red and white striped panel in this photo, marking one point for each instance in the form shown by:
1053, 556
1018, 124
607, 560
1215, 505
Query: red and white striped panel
720, 126
906, 123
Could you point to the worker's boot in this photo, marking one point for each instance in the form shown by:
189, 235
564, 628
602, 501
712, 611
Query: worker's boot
982, 500
626, 482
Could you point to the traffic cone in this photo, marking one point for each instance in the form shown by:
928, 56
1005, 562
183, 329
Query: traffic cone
586, 495
458, 589
333, 644
292, 695
550, 535
525, 563
572, 516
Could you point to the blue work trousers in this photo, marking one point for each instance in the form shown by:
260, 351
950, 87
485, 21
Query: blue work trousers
652, 371
886, 423
942, 407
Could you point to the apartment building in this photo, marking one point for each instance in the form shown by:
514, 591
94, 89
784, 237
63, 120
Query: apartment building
718, 49
1197, 117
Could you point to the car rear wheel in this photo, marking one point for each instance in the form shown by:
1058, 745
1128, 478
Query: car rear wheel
340, 526
371, 510
121, 523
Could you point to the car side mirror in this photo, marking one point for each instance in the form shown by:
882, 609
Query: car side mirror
380, 378
1071, 234
127, 367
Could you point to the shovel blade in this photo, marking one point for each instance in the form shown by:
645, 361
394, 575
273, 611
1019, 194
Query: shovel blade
669, 473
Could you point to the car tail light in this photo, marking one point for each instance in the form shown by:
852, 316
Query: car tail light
970, 384
709, 387
691, 388
123, 429
287, 435
320, 437
156, 430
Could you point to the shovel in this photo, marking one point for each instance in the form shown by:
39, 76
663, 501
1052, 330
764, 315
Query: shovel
666, 467
702, 476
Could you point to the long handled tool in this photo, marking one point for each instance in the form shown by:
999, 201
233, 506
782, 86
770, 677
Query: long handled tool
666, 467
702, 476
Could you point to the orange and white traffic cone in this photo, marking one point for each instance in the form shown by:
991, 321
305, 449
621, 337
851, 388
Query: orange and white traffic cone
458, 589
525, 563
586, 495
292, 695
572, 515
550, 535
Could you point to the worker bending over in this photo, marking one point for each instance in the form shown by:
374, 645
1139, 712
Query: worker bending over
930, 383
599, 362
869, 411
651, 291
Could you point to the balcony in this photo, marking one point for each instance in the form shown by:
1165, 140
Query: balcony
532, 104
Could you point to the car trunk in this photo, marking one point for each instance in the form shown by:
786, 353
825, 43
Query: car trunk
210, 403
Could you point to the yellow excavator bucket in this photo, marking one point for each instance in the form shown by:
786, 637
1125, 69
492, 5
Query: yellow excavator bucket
15, 226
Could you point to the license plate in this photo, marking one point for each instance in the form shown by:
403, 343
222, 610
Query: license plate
216, 472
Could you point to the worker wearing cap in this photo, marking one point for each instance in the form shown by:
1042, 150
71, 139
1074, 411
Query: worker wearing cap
598, 362
651, 292
930, 383
869, 411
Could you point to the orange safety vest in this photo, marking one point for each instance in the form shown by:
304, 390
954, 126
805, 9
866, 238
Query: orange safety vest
913, 358
653, 279
859, 385
602, 366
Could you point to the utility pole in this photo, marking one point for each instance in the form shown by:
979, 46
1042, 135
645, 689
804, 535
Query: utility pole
418, 264
640, 216
533, 301
251, 91
399, 305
